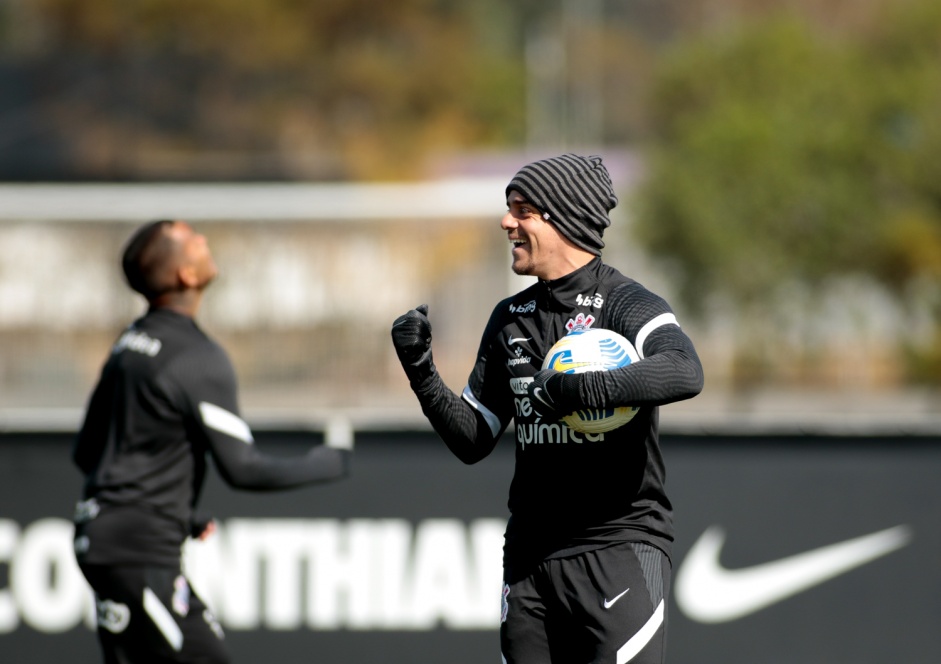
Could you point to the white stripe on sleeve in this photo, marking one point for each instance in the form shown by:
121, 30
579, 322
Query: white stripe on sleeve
492, 420
652, 324
228, 423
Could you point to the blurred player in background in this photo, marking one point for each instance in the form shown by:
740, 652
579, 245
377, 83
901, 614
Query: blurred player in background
587, 555
166, 400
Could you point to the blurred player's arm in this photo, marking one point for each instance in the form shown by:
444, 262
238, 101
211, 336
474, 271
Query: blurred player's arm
209, 388
243, 466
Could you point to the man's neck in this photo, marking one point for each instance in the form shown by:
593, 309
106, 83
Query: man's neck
184, 302
573, 262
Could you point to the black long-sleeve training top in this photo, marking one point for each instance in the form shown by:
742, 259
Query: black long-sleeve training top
573, 492
166, 401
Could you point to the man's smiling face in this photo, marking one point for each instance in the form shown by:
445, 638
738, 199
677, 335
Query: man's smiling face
539, 249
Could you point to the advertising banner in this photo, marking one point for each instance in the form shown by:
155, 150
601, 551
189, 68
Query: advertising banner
790, 550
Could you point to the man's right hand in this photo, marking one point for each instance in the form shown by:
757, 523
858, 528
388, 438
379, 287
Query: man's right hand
411, 336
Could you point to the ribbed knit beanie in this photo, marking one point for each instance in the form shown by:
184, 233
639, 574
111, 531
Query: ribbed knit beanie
575, 192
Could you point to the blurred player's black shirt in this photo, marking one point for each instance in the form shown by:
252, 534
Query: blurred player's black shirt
166, 399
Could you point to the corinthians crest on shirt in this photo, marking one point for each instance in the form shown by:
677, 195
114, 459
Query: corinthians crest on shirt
581, 323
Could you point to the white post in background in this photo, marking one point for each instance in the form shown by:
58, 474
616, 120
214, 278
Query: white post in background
565, 79
582, 22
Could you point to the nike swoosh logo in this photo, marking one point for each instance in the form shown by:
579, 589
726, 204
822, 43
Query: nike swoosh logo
707, 592
515, 340
537, 394
608, 603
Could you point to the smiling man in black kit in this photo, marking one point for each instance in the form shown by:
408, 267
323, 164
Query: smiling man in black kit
587, 555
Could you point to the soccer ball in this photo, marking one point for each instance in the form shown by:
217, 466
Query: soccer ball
593, 350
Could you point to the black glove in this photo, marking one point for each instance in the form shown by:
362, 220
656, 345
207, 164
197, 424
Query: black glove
553, 394
411, 336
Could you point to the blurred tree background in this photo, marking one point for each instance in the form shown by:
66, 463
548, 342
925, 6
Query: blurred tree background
791, 149
789, 160
250, 89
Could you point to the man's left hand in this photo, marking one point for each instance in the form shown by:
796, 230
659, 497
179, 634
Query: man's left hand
553, 394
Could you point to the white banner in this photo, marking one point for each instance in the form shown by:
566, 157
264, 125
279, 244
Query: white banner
286, 574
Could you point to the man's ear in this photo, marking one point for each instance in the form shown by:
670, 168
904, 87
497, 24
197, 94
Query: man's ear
187, 276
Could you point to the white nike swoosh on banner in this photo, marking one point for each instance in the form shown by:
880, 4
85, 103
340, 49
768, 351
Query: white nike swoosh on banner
707, 592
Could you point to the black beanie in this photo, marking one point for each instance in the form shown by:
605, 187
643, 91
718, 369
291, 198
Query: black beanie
574, 191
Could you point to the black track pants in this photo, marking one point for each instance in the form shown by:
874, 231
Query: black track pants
606, 606
150, 615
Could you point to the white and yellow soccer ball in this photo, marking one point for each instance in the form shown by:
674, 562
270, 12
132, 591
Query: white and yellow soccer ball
593, 350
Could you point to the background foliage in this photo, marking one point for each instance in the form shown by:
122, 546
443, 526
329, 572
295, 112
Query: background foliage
262, 88
786, 156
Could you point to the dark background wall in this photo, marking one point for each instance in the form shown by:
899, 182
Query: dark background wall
773, 497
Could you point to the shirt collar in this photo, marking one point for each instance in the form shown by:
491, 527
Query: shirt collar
563, 291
